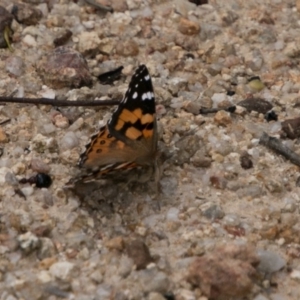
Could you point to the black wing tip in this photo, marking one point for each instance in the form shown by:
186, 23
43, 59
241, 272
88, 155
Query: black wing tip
141, 69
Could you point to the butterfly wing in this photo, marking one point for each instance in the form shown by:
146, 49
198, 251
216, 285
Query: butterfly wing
134, 121
130, 137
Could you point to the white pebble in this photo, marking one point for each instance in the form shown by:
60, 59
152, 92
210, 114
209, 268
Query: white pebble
27, 190
295, 274
62, 270
29, 40
172, 214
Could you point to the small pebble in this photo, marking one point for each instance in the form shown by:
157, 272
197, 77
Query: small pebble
270, 262
246, 160
188, 27
64, 67
222, 118
256, 104
214, 212
139, 252
69, 141
28, 242
3, 136
15, 65
63, 270
295, 274
39, 166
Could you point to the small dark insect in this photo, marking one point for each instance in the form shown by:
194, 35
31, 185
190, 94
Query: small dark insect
169, 296
230, 93
271, 116
199, 2
41, 180
189, 55
111, 76
231, 109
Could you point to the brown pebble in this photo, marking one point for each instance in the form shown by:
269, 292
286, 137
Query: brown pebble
62, 38
26, 14
245, 159
219, 182
291, 128
256, 104
225, 273
42, 231
64, 67
269, 233
222, 118
3, 136
119, 5
39, 166
60, 121
188, 27
71, 253
47, 262
201, 159
127, 48
116, 243
138, 251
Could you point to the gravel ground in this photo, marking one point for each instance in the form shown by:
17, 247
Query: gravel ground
228, 224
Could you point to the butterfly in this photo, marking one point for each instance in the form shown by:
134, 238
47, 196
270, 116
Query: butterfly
129, 139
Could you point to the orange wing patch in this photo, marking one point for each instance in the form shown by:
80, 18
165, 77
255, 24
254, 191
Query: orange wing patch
128, 116
148, 133
133, 133
147, 118
100, 144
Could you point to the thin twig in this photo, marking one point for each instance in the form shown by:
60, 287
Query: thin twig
278, 147
5, 122
54, 102
99, 6
205, 111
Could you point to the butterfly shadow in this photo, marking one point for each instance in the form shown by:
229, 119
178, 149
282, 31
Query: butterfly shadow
122, 191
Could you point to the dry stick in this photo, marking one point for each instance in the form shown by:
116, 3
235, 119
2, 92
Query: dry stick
204, 111
277, 146
5, 121
54, 102
99, 6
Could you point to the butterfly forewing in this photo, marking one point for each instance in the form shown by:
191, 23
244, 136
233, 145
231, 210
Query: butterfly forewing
134, 119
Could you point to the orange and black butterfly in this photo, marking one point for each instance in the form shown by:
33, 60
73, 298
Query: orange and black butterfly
129, 139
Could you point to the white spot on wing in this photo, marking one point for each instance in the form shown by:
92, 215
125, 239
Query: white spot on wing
134, 96
144, 96
147, 96
147, 77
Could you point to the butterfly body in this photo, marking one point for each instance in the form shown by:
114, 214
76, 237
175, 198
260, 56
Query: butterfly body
129, 139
